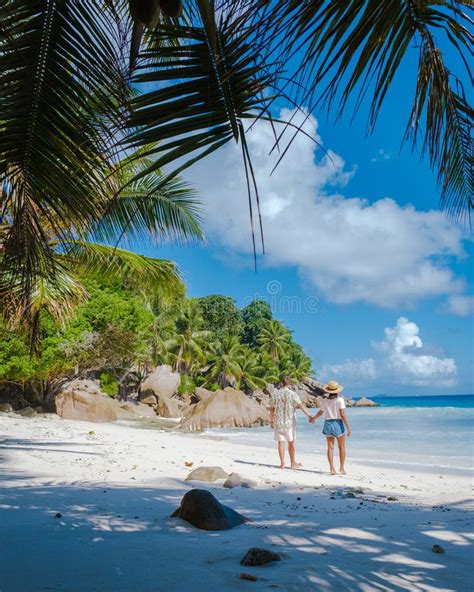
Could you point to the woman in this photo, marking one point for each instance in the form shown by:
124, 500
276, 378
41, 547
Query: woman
335, 424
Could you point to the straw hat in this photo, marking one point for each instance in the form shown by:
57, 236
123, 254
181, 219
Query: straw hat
332, 387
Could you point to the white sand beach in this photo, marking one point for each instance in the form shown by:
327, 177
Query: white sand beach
115, 487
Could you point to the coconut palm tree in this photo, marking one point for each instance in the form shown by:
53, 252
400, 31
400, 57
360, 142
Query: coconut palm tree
79, 251
255, 372
295, 364
225, 362
164, 333
274, 339
190, 343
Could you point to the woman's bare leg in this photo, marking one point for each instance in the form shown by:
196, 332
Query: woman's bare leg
330, 441
341, 442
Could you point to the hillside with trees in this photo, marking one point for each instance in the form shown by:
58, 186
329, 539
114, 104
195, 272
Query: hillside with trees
117, 336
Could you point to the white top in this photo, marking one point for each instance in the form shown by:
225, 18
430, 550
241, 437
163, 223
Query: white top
332, 407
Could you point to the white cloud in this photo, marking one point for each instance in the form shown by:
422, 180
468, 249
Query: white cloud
400, 359
381, 156
403, 357
348, 249
355, 372
460, 305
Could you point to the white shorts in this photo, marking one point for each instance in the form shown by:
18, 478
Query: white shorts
284, 435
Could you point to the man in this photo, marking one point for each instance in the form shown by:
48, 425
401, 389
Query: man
283, 404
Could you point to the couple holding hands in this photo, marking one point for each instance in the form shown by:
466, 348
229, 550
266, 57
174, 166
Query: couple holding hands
283, 404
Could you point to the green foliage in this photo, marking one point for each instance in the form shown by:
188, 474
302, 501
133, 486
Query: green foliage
109, 332
220, 315
255, 316
16, 364
108, 384
190, 341
274, 339
225, 362
186, 385
115, 331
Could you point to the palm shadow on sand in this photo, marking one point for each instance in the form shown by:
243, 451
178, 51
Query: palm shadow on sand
275, 466
119, 538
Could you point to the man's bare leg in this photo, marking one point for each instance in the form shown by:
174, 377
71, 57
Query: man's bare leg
292, 452
330, 441
341, 442
281, 453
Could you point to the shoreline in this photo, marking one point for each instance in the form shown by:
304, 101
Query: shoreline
117, 484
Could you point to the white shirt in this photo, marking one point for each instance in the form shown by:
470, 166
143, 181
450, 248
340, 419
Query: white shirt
284, 402
332, 407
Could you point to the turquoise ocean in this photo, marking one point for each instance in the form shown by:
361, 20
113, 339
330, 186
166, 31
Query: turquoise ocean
417, 433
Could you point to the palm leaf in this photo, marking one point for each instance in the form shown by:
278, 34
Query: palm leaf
60, 80
154, 277
356, 48
156, 205
203, 91
207, 80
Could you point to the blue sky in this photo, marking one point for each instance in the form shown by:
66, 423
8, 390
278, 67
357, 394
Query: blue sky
376, 336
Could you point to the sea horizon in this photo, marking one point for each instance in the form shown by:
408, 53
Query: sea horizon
462, 400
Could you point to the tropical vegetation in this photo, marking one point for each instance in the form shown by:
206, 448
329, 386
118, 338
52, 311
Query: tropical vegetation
117, 336
87, 86
104, 103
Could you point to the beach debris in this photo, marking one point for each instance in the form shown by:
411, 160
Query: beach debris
204, 511
207, 474
257, 556
437, 549
248, 577
188, 463
236, 480
392, 498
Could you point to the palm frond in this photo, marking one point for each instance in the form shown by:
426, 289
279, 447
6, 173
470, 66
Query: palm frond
208, 78
205, 86
58, 295
154, 277
60, 80
54, 291
157, 205
355, 49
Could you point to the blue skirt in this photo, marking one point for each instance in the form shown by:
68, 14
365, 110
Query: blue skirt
334, 427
